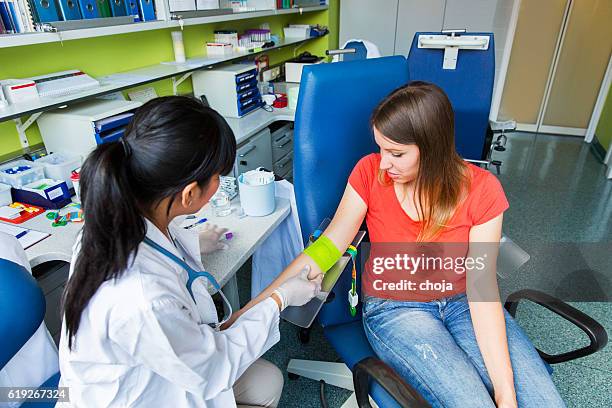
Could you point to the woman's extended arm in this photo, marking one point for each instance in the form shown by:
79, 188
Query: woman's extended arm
487, 313
342, 229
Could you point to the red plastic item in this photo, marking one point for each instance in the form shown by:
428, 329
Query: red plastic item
25, 215
281, 101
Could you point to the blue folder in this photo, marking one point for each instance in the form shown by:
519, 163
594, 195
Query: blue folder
45, 10
16, 17
69, 9
118, 8
88, 8
7, 18
147, 10
131, 9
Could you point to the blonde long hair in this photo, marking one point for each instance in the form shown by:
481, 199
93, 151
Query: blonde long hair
420, 113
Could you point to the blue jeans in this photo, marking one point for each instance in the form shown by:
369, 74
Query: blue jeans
432, 345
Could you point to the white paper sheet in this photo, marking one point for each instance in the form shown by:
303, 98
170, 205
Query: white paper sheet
27, 240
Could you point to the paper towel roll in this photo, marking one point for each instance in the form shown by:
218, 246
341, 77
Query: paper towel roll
177, 44
292, 96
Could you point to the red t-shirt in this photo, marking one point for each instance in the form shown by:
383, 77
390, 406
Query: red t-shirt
391, 230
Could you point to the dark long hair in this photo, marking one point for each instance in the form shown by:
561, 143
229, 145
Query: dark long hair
170, 143
420, 113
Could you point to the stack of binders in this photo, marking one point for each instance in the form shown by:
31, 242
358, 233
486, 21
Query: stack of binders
15, 17
22, 16
284, 4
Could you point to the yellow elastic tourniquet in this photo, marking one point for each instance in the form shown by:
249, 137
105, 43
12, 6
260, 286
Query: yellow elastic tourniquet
324, 252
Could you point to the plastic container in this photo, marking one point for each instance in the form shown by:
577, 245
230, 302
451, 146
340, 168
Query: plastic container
21, 172
292, 97
5, 194
257, 201
177, 45
300, 32
221, 204
59, 166
46, 193
218, 49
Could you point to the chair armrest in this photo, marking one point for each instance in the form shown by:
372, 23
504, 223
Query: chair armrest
596, 332
375, 368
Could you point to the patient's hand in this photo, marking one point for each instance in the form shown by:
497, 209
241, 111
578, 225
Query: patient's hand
315, 272
232, 319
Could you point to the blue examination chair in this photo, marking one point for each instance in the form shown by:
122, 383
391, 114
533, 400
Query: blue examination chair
22, 310
331, 134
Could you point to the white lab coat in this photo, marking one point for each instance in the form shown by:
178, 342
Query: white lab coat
143, 342
37, 360
283, 245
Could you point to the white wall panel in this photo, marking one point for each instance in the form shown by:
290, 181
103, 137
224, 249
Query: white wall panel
473, 15
414, 16
369, 20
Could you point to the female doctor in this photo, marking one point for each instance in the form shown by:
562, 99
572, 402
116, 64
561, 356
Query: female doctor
140, 328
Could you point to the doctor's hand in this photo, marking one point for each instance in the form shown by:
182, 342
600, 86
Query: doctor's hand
298, 290
210, 238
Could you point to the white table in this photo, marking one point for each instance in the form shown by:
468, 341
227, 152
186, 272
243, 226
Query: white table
248, 233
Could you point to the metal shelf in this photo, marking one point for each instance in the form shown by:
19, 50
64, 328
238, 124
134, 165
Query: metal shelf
129, 79
16, 40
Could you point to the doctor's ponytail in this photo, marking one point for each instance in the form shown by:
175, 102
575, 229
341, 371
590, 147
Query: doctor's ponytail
170, 143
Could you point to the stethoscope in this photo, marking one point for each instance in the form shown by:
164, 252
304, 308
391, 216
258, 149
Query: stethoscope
193, 275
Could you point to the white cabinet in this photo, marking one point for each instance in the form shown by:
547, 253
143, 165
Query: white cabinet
473, 15
374, 21
271, 148
282, 151
414, 16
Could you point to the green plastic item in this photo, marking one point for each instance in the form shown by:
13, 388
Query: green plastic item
104, 8
323, 252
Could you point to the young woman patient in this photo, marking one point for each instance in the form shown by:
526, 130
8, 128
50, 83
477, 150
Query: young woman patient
453, 342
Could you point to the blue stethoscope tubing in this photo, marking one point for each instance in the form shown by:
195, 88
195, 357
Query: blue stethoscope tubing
193, 275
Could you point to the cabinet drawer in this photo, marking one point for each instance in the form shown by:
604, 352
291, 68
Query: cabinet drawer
246, 76
246, 86
282, 143
257, 152
284, 165
289, 176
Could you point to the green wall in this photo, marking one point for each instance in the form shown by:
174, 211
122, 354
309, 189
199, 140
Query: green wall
106, 55
604, 127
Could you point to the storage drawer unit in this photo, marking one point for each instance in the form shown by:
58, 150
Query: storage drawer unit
282, 142
257, 152
78, 129
284, 165
52, 277
231, 90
